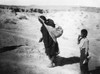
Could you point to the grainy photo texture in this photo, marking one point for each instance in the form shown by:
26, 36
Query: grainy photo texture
37, 39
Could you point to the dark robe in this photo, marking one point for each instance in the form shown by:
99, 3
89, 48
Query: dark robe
51, 47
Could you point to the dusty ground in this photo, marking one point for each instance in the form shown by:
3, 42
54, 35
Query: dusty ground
21, 53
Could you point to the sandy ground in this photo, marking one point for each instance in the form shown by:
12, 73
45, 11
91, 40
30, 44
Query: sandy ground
21, 53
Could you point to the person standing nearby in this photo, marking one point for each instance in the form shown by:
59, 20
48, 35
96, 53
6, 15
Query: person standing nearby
83, 43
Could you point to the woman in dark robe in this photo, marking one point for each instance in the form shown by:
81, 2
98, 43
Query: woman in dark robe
49, 38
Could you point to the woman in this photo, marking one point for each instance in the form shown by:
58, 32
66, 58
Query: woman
50, 34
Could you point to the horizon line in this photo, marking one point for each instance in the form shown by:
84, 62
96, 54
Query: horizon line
50, 5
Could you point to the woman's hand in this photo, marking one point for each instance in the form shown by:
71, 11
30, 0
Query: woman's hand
41, 39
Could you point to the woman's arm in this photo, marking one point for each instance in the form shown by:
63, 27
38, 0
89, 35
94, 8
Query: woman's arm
42, 22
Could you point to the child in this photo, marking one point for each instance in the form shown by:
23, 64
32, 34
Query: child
84, 48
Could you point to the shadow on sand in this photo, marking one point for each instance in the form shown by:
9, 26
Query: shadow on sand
96, 71
60, 61
15, 68
8, 48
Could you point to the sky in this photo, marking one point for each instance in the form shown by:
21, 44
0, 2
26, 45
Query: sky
90, 3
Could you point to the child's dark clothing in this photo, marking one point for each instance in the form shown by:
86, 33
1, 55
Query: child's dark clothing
84, 67
84, 47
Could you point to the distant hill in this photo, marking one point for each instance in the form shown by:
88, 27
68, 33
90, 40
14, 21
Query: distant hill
46, 9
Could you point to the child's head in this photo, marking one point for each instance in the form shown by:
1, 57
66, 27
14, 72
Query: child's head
84, 33
50, 22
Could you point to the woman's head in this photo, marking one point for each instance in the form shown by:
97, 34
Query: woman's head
50, 22
84, 33
43, 17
